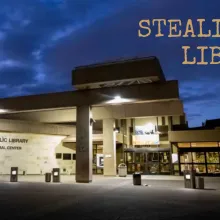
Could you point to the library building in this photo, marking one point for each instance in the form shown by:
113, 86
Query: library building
117, 112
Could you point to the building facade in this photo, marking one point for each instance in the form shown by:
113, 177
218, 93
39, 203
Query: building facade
119, 112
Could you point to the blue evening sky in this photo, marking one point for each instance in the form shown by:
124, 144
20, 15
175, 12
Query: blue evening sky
41, 41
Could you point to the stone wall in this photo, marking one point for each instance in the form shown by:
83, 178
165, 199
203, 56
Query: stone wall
34, 153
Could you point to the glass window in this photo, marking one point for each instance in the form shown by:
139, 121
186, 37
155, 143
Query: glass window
130, 157
139, 157
176, 167
183, 145
164, 157
66, 156
204, 144
198, 157
213, 168
200, 168
153, 157
212, 157
139, 167
153, 168
131, 168
174, 148
185, 167
186, 157
164, 168
74, 156
58, 156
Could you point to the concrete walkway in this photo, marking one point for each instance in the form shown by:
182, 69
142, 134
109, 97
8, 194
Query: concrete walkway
152, 181
107, 198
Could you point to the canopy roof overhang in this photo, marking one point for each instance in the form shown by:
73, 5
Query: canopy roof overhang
96, 97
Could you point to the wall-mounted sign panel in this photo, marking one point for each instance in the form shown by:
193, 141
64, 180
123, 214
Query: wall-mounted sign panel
33, 153
149, 128
148, 139
174, 158
100, 160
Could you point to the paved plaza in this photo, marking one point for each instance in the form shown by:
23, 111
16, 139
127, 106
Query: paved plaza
159, 197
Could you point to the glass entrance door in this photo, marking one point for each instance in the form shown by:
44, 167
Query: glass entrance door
148, 163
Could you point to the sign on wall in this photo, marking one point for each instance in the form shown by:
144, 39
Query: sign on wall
148, 139
146, 135
149, 128
31, 153
100, 160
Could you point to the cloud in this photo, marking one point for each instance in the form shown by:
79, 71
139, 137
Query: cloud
43, 40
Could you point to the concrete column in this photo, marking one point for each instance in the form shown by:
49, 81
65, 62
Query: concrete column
170, 123
170, 128
83, 145
109, 147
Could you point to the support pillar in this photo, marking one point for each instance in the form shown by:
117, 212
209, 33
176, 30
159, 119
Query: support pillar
109, 147
83, 145
170, 128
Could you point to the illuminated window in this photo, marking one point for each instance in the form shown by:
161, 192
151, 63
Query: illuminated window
183, 145
186, 157
213, 168
204, 144
198, 157
200, 168
212, 157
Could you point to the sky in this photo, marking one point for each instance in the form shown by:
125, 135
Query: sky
41, 41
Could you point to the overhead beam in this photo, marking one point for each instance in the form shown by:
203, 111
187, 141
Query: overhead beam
164, 108
94, 97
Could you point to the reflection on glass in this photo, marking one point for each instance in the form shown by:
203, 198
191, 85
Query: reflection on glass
153, 157
129, 157
131, 168
186, 157
164, 157
139, 168
164, 168
198, 157
139, 157
153, 168
214, 168
200, 168
212, 157
186, 167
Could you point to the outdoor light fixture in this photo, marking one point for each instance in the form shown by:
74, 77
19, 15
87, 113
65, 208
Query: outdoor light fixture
2, 111
118, 98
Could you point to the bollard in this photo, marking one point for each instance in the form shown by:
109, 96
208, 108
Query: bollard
190, 179
137, 179
200, 183
14, 174
56, 175
47, 177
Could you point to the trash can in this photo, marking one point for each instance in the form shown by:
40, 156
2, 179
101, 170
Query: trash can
48, 177
137, 178
56, 175
190, 179
14, 174
122, 170
200, 183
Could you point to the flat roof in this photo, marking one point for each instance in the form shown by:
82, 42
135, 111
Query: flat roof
118, 72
